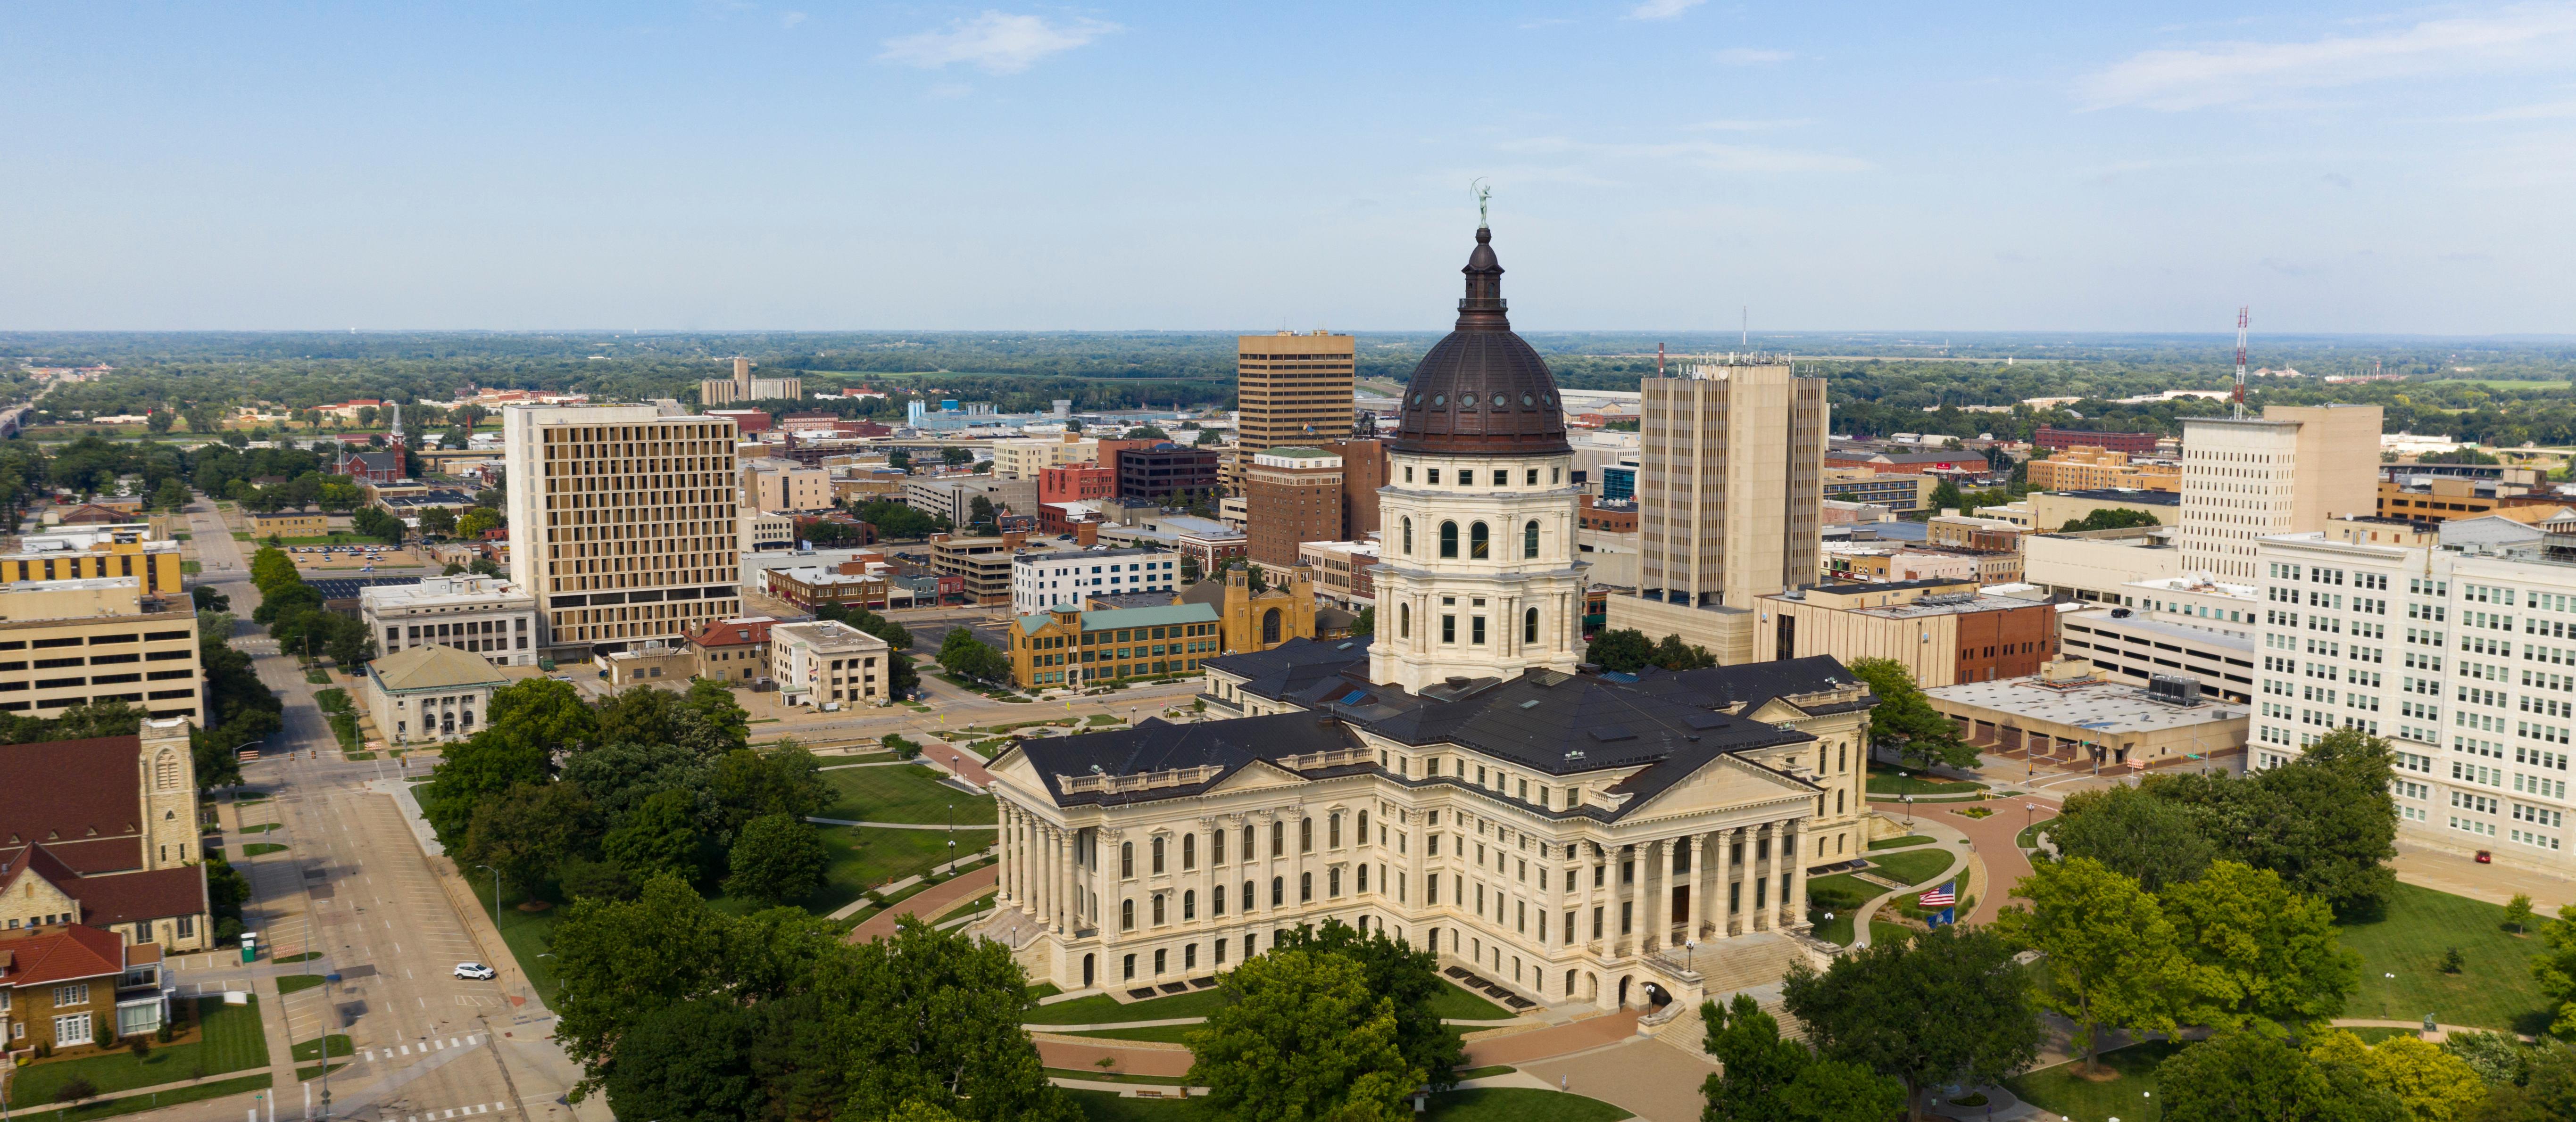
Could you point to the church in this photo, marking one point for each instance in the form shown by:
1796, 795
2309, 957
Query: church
1460, 781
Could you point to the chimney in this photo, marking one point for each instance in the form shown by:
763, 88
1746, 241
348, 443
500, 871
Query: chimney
1086, 534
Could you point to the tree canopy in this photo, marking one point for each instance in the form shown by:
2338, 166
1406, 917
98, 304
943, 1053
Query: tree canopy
1905, 720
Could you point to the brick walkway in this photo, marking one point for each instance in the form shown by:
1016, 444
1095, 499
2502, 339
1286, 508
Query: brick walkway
1992, 839
927, 902
1083, 1055
1654, 1080
1520, 1047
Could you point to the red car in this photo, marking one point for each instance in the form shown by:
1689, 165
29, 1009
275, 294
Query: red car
2485, 858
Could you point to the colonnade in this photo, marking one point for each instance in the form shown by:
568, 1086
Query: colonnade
1741, 880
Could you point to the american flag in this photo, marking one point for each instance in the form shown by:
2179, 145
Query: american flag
1943, 897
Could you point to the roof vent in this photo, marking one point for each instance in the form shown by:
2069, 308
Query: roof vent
1609, 733
1530, 704
1576, 754
1703, 721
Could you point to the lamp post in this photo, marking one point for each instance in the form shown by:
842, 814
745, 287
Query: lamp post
1909, 811
496, 895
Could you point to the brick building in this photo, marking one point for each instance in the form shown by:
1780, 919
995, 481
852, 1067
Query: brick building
1292, 495
2133, 443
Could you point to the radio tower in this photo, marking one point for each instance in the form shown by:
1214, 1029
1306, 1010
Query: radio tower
2240, 361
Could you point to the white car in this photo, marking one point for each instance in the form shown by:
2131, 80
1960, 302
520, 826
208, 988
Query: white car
474, 971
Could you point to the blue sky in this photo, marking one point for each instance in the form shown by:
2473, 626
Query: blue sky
1655, 165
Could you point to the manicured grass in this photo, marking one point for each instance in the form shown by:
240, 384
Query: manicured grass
1486, 1072
526, 934
2494, 989
290, 983
1854, 891
1882, 932
1913, 866
1107, 1106
190, 568
1900, 843
318, 676
307, 956
1890, 783
1456, 1004
2028, 838
1165, 1034
1838, 930
2060, 1091
230, 1040
310, 1072
111, 1108
1101, 1009
312, 1049
255, 849
864, 857
1103, 719
911, 794
1519, 1104
263, 828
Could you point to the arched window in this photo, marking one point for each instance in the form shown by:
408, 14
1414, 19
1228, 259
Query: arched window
1278, 838
1189, 906
1126, 860
1189, 851
1363, 879
1305, 835
1126, 915
1270, 626
1216, 900
1158, 909
1305, 887
1448, 539
1333, 881
1529, 626
1333, 830
1479, 542
165, 771
1408, 534
1529, 539
1838, 802
1363, 827
1247, 849
1278, 891
1158, 857
1216, 848
1248, 897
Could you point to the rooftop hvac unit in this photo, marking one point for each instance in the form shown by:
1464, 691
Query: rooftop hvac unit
2175, 689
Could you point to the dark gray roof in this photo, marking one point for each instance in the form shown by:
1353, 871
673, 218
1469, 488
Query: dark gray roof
1158, 745
2134, 495
1564, 724
347, 588
1754, 684
1127, 600
1306, 672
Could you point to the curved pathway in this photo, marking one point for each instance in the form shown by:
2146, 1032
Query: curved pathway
1993, 840
1961, 855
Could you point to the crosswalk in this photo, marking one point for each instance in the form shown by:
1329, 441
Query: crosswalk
425, 1047
451, 1112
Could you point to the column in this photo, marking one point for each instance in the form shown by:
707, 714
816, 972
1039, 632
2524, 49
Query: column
1584, 899
1071, 912
1735, 841
1797, 892
1008, 890
1759, 869
1656, 886
1034, 862
1699, 881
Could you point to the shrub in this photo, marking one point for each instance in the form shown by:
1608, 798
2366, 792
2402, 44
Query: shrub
74, 1089
2452, 960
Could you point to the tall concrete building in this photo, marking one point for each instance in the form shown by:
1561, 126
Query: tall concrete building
2286, 472
1730, 498
1293, 389
743, 387
621, 522
1291, 496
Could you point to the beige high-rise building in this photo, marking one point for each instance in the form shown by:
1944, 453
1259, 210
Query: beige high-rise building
2286, 472
1730, 500
97, 639
621, 522
1293, 390
742, 387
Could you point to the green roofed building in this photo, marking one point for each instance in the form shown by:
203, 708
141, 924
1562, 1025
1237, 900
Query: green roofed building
1067, 647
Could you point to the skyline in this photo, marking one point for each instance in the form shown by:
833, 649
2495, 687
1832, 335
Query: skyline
710, 167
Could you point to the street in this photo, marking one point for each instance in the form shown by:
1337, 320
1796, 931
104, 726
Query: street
354, 884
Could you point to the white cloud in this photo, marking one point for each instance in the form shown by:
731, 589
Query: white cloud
1696, 153
994, 42
791, 19
1662, 9
1751, 56
2240, 72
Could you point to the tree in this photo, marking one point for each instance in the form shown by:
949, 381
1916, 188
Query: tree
1302, 1038
969, 657
2546, 1093
1148, 432
480, 768
204, 418
1945, 496
689, 1062
2555, 969
618, 962
1947, 1005
526, 831
899, 459
2109, 518
160, 420
1621, 651
2517, 913
1764, 1078
376, 523
2111, 958
438, 520
476, 520
367, 415
1366, 624
980, 515
2325, 821
2431, 1084
2154, 841
209, 600
659, 837
1904, 717
172, 494
1401, 974
1673, 654
1207, 438
776, 860
542, 713
2251, 1075
2274, 952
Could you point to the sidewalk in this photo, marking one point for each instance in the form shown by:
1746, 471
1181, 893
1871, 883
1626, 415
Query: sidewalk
927, 903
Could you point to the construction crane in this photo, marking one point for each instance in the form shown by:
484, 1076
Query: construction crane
2239, 398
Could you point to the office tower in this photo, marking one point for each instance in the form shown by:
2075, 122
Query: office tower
742, 387
621, 522
2286, 472
1291, 495
1292, 389
1730, 483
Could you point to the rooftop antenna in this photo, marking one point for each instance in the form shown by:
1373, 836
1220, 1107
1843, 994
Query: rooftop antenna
2241, 321
1659, 360
1744, 326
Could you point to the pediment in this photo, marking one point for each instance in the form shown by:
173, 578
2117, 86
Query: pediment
1778, 712
1259, 775
1720, 785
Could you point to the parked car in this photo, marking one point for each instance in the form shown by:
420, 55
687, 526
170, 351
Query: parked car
474, 971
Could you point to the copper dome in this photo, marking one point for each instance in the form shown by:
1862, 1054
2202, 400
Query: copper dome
1482, 391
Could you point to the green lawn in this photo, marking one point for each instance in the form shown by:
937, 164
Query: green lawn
111, 1108
1890, 783
1841, 892
1882, 932
1101, 1009
911, 794
864, 857
1165, 1034
291, 983
526, 934
1913, 866
2494, 989
1838, 930
312, 1049
1456, 1004
1485, 1072
1104, 1076
231, 1041
2060, 1091
1900, 843
255, 849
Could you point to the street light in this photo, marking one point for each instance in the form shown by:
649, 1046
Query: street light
496, 894
1909, 810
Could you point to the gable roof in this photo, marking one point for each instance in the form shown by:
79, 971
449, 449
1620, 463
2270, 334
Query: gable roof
432, 667
40, 956
1158, 745
733, 632
114, 897
78, 798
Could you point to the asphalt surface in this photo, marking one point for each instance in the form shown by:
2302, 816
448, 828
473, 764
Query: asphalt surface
355, 884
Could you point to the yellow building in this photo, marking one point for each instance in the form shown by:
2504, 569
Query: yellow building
1067, 646
290, 524
93, 552
1257, 621
2086, 468
70, 642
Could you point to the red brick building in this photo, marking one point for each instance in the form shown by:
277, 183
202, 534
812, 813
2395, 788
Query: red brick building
1066, 483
